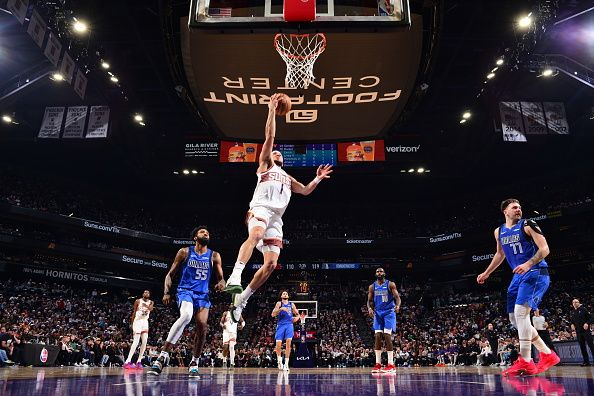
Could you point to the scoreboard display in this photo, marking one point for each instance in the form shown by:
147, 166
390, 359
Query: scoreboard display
307, 155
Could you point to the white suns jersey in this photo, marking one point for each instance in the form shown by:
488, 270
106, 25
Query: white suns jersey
273, 189
230, 326
143, 312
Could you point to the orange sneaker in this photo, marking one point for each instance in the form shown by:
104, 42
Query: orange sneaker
377, 368
546, 361
521, 367
389, 369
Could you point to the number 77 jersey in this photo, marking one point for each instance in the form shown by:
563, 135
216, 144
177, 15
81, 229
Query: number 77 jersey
517, 246
196, 271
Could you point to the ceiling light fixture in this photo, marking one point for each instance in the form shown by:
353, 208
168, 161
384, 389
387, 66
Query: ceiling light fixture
525, 21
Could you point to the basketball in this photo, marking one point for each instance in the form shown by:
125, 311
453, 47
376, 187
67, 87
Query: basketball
284, 105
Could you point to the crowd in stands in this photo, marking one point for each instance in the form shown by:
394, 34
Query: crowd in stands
316, 222
92, 328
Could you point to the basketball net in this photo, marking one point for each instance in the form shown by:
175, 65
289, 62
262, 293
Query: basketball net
299, 51
302, 318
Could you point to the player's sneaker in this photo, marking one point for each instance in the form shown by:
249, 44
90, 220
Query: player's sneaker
157, 367
139, 366
521, 367
193, 370
235, 313
233, 284
546, 361
377, 368
286, 367
231, 366
280, 365
129, 366
389, 369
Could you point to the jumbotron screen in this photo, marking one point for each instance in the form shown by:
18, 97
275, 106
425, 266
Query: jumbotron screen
294, 155
239, 152
362, 151
304, 155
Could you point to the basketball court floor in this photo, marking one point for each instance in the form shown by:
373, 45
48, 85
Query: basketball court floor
559, 381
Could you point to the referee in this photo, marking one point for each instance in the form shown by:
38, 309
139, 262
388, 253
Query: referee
540, 324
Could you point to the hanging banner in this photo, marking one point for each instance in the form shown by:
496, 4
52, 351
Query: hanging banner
80, 84
18, 9
556, 119
534, 118
75, 122
52, 123
37, 28
67, 67
98, 122
53, 49
511, 122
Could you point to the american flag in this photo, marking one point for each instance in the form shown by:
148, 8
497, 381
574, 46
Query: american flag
219, 12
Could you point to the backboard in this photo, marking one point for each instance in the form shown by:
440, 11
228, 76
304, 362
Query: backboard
362, 82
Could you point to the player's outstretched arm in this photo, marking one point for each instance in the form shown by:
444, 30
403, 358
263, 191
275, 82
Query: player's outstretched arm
322, 173
180, 257
269, 135
495, 261
218, 267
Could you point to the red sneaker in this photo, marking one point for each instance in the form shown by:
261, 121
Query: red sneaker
546, 361
389, 369
377, 368
129, 366
521, 367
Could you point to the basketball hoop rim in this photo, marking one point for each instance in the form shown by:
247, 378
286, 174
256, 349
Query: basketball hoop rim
298, 57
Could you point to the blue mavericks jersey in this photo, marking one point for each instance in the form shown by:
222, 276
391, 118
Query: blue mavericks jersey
196, 271
286, 317
517, 246
383, 299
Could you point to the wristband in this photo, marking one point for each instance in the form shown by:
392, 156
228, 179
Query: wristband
317, 180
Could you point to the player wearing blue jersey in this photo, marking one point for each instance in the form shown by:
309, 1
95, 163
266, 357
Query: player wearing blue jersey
287, 315
383, 302
196, 263
524, 246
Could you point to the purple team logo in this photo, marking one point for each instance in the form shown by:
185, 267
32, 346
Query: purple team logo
43, 355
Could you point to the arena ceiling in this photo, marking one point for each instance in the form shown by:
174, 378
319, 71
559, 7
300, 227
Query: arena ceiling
141, 41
